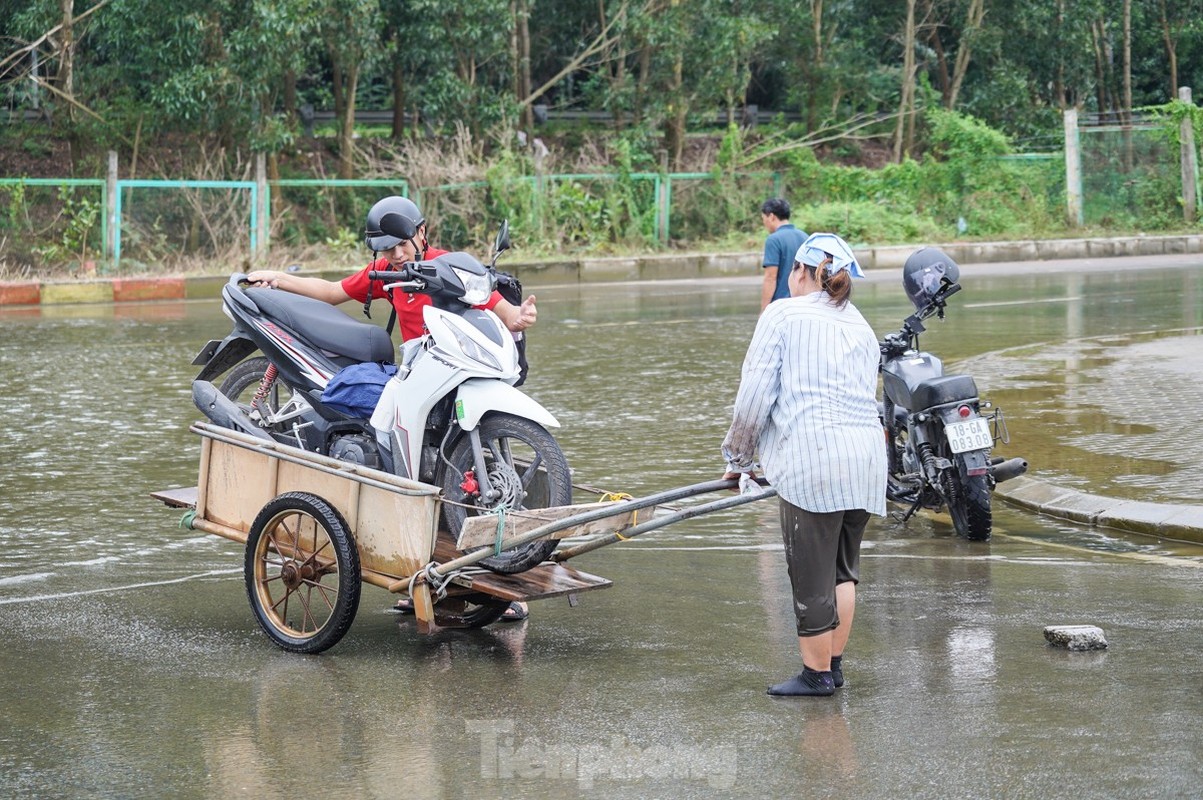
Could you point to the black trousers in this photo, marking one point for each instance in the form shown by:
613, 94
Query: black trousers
821, 550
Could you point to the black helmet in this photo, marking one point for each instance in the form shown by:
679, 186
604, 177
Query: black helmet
922, 272
376, 239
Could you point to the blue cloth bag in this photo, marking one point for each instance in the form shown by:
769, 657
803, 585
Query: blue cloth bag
356, 389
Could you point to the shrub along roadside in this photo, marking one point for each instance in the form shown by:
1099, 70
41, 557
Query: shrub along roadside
603, 197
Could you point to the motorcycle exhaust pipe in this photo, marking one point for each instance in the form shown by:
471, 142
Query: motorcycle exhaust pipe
223, 411
1008, 469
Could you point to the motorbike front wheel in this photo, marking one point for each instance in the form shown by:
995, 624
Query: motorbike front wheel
968, 498
526, 465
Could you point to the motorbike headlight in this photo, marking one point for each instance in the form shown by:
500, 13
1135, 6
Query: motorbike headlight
472, 349
477, 288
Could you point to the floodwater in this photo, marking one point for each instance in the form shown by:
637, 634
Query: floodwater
132, 666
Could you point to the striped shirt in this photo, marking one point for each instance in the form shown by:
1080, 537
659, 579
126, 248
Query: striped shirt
807, 403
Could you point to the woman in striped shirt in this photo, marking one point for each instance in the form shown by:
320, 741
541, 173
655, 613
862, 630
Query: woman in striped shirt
807, 403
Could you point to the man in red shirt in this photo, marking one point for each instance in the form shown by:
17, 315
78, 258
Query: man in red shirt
393, 253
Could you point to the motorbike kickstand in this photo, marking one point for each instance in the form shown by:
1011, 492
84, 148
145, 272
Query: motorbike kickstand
910, 511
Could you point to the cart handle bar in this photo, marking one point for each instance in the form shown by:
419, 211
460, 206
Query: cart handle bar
659, 522
637, 503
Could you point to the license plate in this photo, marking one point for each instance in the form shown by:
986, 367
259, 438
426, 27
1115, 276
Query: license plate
972, 434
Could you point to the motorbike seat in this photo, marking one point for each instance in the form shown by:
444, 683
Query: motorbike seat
943, 390
324, 326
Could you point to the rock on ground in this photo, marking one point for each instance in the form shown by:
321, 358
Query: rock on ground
1076, 637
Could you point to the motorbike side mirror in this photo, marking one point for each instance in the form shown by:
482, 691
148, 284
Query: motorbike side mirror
399, 226
502, 242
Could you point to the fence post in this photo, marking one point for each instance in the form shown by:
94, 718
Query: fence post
540, 188
662, 210
1073, 169
1190, 159
259, 243
110, 209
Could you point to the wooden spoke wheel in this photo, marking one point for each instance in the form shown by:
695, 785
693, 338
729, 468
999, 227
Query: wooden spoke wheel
302, 573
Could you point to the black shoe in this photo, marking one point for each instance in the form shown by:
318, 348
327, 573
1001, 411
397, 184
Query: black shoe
837, 671
806, 683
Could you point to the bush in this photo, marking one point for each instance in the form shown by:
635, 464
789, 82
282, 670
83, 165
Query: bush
867, 222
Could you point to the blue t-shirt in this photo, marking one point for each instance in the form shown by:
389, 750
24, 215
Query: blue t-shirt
779, 251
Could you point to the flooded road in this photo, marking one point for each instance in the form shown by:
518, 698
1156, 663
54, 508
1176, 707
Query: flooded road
133, 666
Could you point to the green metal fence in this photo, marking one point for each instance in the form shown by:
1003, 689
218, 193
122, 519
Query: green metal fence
52, 219
142, 222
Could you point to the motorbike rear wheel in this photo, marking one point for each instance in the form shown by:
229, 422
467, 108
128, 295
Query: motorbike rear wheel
526, 464
242, 382
968, 498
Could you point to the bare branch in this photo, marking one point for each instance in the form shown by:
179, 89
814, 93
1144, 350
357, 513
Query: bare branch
829, 133
602, 42
16, 55
56, 91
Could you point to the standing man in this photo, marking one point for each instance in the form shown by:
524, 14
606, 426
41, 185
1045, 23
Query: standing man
779, 249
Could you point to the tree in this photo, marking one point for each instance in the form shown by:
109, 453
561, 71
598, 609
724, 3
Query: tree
66, 63
1178, 19
941, 31
520, 56
349, 30
465, 62
906, 103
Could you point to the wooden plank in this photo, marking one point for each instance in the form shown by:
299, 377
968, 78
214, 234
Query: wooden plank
538, 583
203, 477
423, 608
393, 522
184, 497
541, 582
482, 530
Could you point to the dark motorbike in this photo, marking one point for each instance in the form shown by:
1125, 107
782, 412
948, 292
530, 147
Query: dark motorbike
939, 441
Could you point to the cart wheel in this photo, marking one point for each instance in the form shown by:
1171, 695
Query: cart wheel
302, 573
474, 610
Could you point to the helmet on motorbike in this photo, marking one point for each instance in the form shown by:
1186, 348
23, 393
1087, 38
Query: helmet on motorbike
922, 272
376, 239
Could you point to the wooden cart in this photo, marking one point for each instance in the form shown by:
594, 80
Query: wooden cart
315, 529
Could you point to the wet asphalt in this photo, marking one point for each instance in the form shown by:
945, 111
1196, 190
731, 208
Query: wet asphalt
133, 667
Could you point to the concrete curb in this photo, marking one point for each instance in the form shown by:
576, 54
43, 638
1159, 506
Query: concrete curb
673, 266
1163, 520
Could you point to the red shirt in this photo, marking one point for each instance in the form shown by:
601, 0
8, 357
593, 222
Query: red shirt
409, 305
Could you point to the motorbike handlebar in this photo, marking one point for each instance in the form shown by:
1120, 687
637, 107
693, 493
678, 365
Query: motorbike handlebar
389, 274
895, 344
403, 278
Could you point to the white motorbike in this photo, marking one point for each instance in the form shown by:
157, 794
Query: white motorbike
449, 416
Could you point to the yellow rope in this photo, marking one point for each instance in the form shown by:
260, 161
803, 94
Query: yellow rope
615, 496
